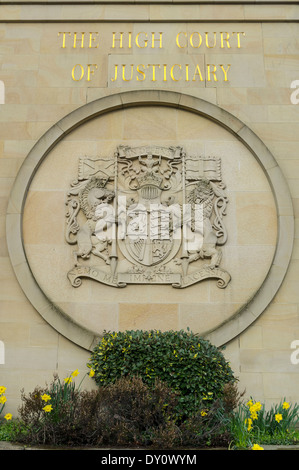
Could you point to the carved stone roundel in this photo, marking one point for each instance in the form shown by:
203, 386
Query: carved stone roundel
149, 210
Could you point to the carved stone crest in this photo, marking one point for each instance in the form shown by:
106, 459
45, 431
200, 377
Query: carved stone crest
147, 215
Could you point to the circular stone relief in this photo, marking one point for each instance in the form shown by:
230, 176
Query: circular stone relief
150, 211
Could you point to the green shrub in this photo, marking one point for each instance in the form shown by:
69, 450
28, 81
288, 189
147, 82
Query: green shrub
48, 422
184, 361
11, 430
127, 412
49, 413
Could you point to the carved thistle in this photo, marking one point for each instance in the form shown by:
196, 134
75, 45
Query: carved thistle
147, 215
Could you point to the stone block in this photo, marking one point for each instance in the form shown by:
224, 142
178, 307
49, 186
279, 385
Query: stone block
147, 317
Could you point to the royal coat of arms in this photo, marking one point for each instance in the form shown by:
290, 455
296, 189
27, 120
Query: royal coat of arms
147, 215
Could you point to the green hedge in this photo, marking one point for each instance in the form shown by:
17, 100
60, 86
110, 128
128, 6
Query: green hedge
187, 363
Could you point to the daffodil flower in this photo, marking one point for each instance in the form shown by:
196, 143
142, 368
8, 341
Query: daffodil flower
256, 447
48, 408
45, 397
248, 422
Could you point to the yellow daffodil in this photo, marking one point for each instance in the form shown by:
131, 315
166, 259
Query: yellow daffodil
278, 417
47, 408
203, 413
248, 422
255, 407
75, 373
68, 380
91, 373
45, 397
8, 416
257, 447
285, 405
2, 399
2, 389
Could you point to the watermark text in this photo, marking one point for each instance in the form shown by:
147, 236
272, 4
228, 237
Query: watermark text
295, 93
2, 92
155, 222
2, 352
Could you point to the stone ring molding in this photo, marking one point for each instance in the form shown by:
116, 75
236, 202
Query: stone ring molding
120, 101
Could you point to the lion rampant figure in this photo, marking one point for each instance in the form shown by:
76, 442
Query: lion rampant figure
208, 197
93, 236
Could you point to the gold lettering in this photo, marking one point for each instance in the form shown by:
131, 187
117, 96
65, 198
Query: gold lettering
154, 70
73, 73
165, 72
130, 40
75, 40
137, 40
140, 71
150, 72
187, 72
238, 36
114, 39
115, 73
197, 72
63, 37
90, 71
225, 71
171, 72
212, 72
207, 40
123, 73
199, 40
222, 39
92, 40
160, 40
178, 42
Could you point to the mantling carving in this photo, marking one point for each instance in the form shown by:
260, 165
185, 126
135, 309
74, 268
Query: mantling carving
149, 215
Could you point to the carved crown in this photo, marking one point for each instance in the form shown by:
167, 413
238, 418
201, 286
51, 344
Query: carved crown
151, 179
